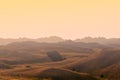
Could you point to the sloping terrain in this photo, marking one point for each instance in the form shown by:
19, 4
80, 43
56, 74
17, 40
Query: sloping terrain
105, 59
60, 74
59, 61
53, 73
4, 66
33, 52
111, 72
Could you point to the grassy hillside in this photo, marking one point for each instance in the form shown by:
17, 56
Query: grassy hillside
52, 73
110, 72
105, 59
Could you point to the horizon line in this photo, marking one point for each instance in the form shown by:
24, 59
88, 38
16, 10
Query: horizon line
98, 37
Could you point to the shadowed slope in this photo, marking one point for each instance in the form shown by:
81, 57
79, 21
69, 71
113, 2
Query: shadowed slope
52, 73
61, 74
111, 72
105, 59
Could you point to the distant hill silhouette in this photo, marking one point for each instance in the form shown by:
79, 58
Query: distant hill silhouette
52, 39
115, 42
100, 40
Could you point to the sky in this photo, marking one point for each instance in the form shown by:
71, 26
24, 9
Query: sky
65, 18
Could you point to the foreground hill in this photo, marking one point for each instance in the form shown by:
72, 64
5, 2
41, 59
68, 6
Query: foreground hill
105, 59
110, 72
53, 74
61, 74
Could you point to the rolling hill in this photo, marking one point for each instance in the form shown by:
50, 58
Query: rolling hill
52, 73
103, 60
110, 72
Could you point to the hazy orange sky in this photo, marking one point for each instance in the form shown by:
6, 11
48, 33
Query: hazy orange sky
64, 18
